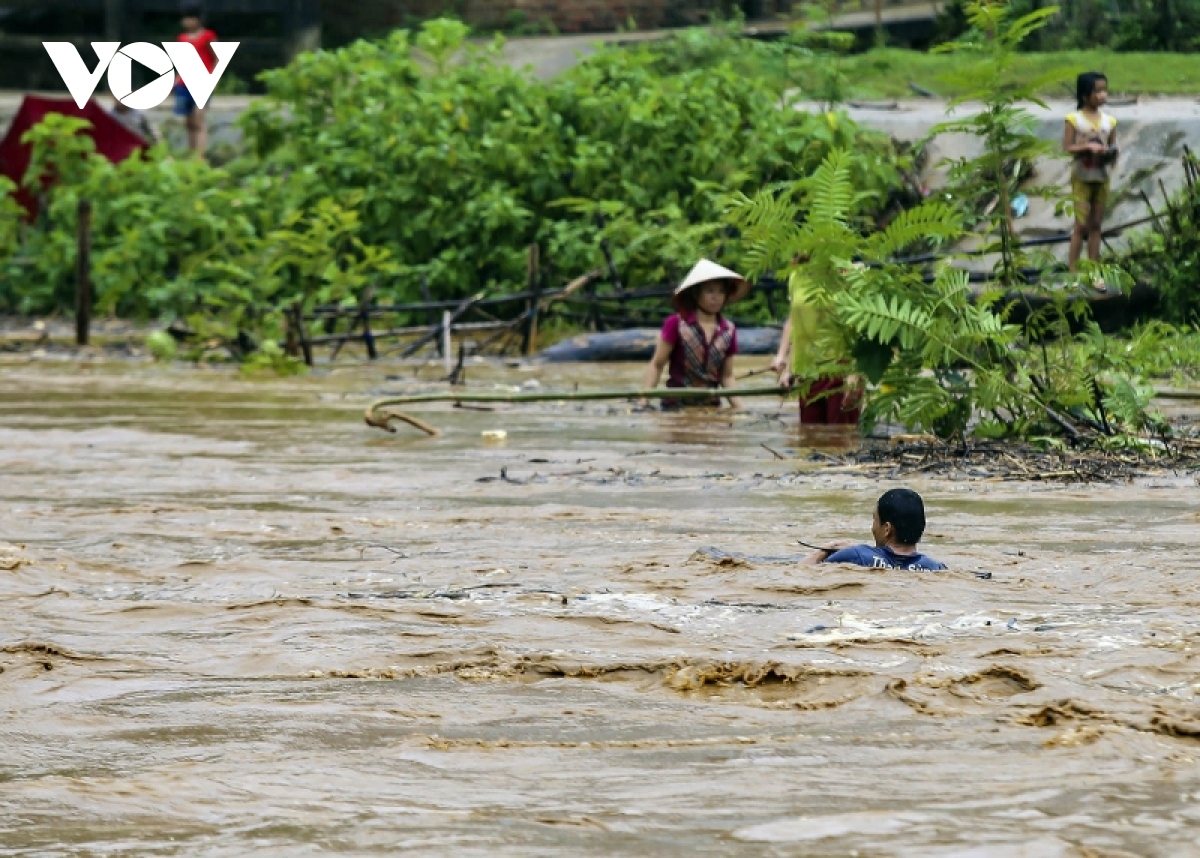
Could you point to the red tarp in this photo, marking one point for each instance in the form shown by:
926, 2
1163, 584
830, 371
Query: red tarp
113, 140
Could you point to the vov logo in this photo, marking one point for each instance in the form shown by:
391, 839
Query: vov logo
172, 57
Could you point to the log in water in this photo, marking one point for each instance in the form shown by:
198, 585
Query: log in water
638, 344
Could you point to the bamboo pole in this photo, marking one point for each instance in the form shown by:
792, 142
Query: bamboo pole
302, 334
533, 285
380, 413
392, 333
430, 309
368, 336
447, 333
83, 275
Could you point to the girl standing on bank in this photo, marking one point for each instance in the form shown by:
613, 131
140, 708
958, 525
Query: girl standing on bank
697, 343
1090, 137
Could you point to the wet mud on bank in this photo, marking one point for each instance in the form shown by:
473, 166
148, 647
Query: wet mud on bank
234, 618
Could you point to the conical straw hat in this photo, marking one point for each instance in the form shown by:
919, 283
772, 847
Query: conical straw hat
706, 270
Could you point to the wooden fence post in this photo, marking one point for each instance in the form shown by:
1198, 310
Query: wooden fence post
291, 341
83, 275
302, 333
431, 315
368, 337
533, 283
595, 319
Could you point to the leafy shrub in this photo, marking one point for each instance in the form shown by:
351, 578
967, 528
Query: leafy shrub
420, 158
162, 345
475, 159
1168, 258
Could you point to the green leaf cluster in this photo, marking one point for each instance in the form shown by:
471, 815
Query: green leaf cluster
1167, 256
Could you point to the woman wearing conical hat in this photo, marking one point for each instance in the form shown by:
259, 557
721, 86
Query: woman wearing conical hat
697, 344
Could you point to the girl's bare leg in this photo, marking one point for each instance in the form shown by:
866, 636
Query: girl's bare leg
1076, 245
197, 130
1095, 227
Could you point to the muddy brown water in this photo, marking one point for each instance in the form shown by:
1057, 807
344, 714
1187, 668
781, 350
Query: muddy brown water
234, 619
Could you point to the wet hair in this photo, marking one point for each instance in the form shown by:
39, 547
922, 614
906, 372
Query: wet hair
689, 299
1085, 85
904, 510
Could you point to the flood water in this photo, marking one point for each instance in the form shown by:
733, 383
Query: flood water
235, 619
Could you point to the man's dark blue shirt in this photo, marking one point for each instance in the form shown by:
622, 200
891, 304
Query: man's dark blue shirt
884, 558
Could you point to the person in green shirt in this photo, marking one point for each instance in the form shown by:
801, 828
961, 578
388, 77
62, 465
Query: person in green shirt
829, 399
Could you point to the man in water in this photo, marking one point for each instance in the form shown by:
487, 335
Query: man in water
897, 527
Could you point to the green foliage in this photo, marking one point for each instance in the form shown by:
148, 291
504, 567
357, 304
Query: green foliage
886, 320
61, 152
1168, 258
885, 73
815, 65
1160, 350
422, 158
162, 345
1127, 25
177, 238
270, 359
477, 158
313, 257
1154, 350
10, 222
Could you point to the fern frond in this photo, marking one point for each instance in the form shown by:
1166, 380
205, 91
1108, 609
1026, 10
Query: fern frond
824, 244
1129, 405
925, 404
994, 391
987, 17
875, 317
831, 191
1020, 29
952, 286
932, 221
769, 228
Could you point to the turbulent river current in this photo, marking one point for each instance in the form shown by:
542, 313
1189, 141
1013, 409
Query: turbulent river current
234, 619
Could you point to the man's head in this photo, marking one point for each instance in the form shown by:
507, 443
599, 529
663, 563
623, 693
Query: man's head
193, 17
899, 518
